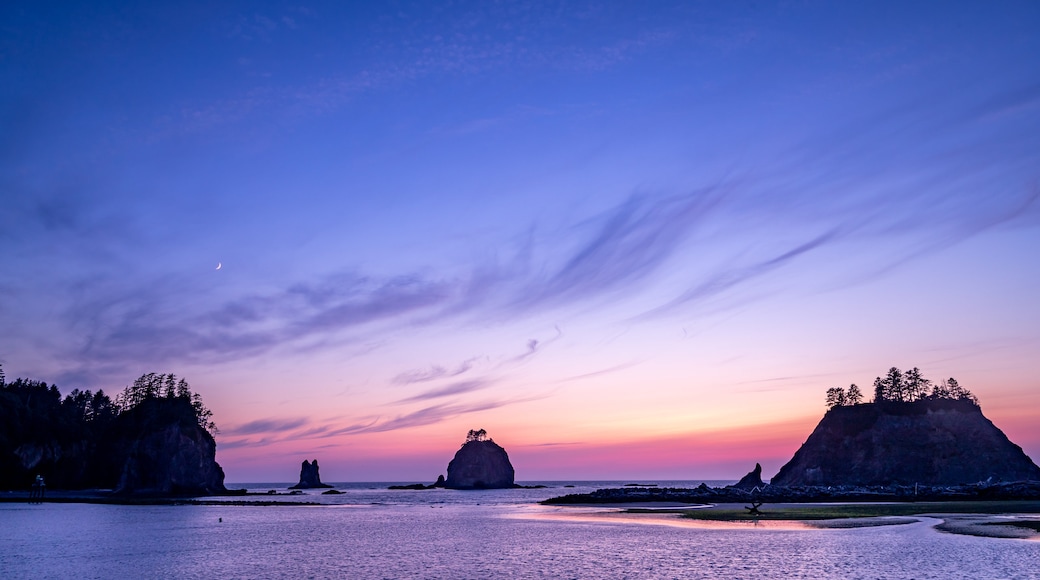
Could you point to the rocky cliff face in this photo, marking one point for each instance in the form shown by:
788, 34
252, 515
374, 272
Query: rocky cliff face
177, 459
480, 465
159, 448
931, 442
309, 477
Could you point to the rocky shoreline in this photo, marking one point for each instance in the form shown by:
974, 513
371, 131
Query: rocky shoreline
107, 497
703, 494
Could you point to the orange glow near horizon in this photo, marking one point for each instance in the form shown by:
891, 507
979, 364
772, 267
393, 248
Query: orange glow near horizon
718, 454
420, 454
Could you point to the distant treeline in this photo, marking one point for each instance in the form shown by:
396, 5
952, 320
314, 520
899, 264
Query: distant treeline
901, 386
76, 441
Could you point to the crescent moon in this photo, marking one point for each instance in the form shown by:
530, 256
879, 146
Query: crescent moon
219, 265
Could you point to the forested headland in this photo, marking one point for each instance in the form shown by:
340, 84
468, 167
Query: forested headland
154, 436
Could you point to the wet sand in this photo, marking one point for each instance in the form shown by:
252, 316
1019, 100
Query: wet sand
735, 516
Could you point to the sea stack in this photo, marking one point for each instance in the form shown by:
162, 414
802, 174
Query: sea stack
309, 478
930, 442
752, 480
480, 464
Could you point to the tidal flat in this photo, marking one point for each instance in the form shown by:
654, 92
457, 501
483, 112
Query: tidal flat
997, 519
369, 531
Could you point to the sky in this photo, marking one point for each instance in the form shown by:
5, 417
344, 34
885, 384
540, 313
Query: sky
629, 240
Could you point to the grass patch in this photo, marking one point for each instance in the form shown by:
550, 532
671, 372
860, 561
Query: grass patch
782, 512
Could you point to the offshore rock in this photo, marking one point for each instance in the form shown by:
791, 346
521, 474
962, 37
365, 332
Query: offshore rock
421, 486
480, 464
309, 478
415, 486
928, 442
752, 480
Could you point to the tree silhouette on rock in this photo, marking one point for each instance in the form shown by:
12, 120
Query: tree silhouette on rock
897, 386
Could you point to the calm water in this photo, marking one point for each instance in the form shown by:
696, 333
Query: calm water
376, 533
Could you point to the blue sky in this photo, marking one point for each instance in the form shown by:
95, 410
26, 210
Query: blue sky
516, 215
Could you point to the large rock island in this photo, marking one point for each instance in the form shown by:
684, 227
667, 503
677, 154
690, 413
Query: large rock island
909, 444
928, 442
480, 464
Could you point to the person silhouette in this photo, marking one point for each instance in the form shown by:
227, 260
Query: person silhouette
38, 489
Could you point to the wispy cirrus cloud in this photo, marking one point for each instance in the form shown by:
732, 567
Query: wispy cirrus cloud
449, 390
598, 373
619, 253
423, 416
626, 244
430, 415
432, 373
725, 280
131, 324
270, 425
534, 346
712, 242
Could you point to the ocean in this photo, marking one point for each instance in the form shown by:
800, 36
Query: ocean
372, 532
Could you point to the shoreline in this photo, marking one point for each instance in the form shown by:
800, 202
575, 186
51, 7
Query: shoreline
787, 511
991, 519
105, 497
703, 494
1005, 519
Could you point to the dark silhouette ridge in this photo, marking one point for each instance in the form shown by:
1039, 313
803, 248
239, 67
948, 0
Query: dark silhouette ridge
309, 478
927, 441
155, 439
480, 464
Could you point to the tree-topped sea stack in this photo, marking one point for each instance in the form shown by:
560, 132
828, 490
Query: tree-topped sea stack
913, 433
480, 464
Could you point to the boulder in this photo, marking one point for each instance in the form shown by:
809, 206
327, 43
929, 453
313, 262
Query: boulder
309, 478
752, 480
480, 464
929, 442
